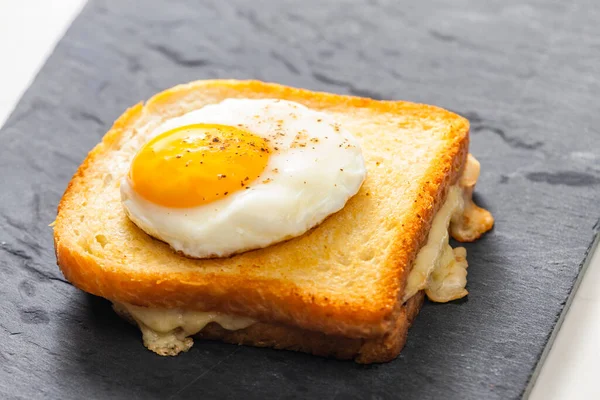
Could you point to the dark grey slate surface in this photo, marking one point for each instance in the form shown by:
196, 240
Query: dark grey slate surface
526, 74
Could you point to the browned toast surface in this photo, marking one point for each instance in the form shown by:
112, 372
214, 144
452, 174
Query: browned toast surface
343, 277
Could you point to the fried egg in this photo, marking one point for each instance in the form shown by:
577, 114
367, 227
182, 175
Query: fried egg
240, 175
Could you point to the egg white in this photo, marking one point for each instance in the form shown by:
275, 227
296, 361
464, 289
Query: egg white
299, 188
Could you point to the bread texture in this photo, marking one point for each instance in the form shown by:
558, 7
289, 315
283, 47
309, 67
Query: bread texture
343, 278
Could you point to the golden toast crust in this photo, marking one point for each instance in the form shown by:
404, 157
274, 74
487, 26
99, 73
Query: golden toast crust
191, 283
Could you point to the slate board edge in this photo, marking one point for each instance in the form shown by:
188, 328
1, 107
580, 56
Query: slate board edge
593, 247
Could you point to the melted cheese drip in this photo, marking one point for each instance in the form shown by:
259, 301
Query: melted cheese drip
438, 269
166, 331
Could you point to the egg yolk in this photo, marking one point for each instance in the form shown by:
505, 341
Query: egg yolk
197, 164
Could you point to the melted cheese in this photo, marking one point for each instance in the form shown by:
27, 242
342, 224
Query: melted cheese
438, 269
166, 331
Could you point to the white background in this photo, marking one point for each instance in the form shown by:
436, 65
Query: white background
29, 30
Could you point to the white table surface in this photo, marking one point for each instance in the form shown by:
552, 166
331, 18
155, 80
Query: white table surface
29, 30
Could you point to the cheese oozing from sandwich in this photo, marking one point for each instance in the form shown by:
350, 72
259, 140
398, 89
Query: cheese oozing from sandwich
439, 269
167, 331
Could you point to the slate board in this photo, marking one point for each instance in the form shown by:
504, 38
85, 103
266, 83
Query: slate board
526, 75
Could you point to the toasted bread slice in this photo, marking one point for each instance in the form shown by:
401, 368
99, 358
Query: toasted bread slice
343, 278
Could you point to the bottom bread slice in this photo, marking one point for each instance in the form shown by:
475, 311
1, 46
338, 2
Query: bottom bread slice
283, 337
